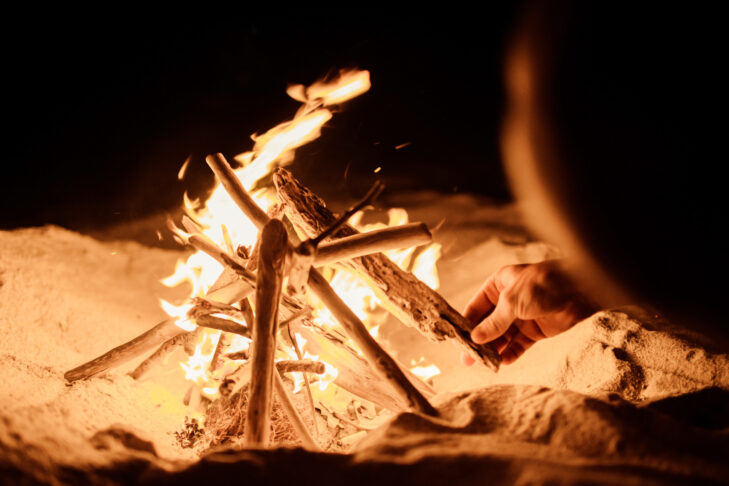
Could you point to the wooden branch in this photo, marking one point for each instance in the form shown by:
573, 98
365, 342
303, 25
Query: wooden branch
271, 261
298, 423
235, 189
410, 300
221, 324
121, 354
167, 348
357, 245
382, 362
300, 366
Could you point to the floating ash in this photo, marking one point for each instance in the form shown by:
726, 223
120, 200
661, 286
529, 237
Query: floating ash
265, 246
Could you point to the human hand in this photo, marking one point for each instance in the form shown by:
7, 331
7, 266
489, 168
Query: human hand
521, 304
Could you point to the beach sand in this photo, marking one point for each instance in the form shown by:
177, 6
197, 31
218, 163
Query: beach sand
622, 397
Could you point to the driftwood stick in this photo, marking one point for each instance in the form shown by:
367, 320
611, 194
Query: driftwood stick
235, 189
300, 366
167, 348
382, 362
222, 324
298, 423
391, 238
271, 260
410, 300
121, 354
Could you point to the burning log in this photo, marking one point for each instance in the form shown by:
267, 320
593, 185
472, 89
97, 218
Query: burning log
409, 299
377, 357
121, 354
271, 260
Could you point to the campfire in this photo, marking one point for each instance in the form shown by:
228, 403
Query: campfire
289, 326
279, 331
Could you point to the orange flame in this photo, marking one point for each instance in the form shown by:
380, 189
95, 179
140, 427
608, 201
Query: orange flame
221, 221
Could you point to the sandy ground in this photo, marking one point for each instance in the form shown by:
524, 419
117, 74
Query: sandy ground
621, 397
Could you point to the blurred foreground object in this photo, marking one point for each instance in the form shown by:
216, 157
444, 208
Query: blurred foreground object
609, 148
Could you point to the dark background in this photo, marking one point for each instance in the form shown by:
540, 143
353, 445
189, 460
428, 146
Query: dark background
100, 114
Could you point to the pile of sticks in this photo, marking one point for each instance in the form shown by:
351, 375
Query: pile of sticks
279, 253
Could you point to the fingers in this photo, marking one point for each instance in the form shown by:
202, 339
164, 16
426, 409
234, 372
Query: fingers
486, 298
479, 306
531, 330
516, 347
467, 359
495, 324
501, 342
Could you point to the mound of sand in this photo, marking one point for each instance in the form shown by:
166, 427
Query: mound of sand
620, 397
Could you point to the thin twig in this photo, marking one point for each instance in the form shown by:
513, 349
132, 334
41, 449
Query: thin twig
374, 191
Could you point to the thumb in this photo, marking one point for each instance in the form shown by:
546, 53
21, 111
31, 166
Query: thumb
495, 324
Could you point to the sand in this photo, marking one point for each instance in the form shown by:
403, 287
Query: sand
621, 397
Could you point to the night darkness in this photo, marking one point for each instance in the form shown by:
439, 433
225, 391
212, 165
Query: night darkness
103, 114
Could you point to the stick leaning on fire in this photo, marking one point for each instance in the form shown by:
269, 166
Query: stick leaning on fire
404, 295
